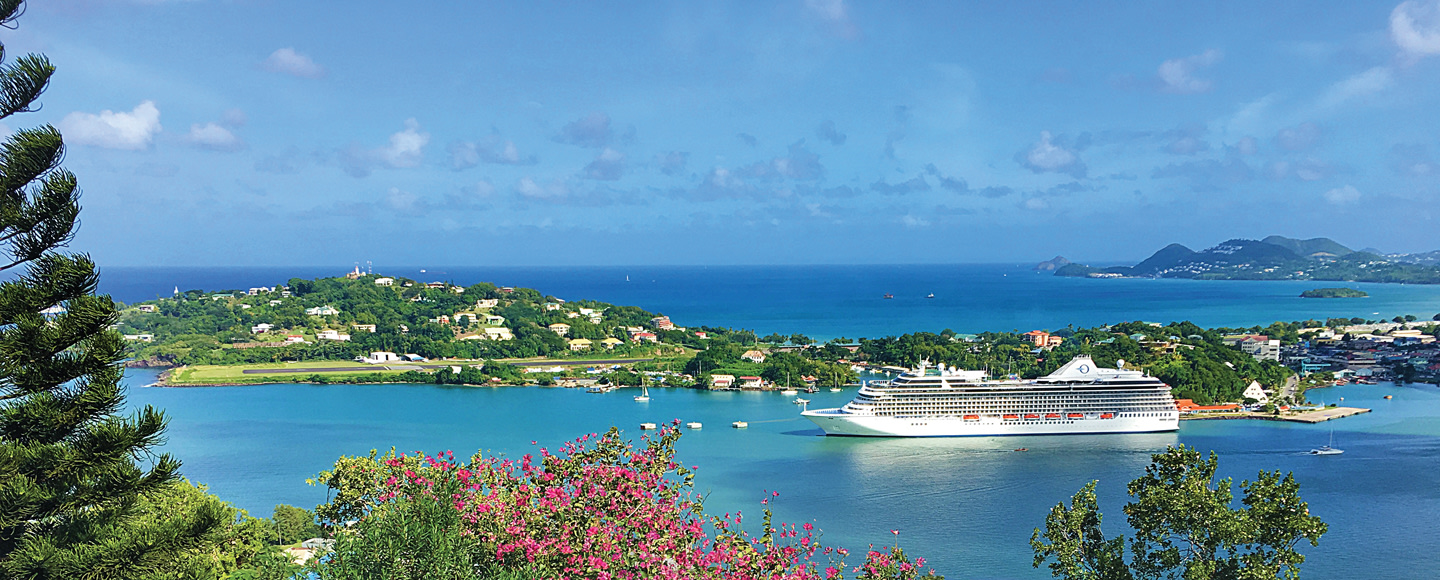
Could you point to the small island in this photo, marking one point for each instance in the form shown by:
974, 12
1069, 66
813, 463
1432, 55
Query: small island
1334, 293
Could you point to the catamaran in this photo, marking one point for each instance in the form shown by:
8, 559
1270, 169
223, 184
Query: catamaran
1079, 397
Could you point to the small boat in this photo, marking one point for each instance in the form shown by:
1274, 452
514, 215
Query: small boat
932, 295
812, 390
801, 401
739, 424
1023, 449
598, 389
889, 295
789, 392
647, 426
1075, 416
1009, 417
1388, 397
1327, 449
837, 389
693, 425
643, 396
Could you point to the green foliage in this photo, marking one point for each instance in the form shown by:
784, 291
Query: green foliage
292, 525
1185, 526
1334, 293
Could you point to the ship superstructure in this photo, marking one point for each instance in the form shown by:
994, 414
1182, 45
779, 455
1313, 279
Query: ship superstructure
1079, 397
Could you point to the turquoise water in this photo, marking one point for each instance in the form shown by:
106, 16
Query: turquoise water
845, 301
967, 504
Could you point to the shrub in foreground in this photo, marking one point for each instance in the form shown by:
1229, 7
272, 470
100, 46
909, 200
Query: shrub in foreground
598, 507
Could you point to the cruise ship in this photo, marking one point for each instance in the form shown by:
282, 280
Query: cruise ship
1079, 397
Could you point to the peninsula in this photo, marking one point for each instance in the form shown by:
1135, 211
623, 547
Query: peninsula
1273, 258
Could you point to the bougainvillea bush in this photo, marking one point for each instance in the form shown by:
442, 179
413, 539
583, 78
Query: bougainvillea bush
599, 507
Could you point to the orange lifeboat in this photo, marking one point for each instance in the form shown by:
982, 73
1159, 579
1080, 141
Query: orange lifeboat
1107, 415
1032, 416
972, 417
1076, 415
1052, 415
1009, 417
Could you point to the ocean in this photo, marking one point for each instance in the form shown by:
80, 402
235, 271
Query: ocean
827, 302
968, 505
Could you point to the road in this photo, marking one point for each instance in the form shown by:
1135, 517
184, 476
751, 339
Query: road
433, 365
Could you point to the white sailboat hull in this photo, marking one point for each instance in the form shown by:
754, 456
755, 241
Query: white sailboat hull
838, 422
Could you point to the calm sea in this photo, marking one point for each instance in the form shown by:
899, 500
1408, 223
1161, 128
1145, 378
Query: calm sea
846, 301
968, 505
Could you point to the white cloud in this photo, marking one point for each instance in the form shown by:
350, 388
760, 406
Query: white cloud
1361, 85
1343, 195
133, 130
406, 146
1415, 27
400, 199
1037, 204
835, 15
213, 136
1177, 75
529, 188
1048, 156
609, 166
287, 61
911, 221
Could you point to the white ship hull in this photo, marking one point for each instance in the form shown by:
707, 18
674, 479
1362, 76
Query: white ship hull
838, 422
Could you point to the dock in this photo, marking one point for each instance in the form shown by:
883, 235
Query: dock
1312, 416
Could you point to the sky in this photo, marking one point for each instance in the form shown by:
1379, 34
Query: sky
790, 132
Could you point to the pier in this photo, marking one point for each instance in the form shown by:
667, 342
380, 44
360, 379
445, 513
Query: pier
1311, 416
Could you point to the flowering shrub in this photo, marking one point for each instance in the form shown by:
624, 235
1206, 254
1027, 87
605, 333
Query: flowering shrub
596, 508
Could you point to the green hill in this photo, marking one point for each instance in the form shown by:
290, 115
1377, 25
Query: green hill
1311, 248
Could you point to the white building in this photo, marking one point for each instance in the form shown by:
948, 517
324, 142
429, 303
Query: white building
140, 337
487, 303
384, 281
325, 310
1255, 392
1262, 349
381, 356
331, 335
262, 327
498, 333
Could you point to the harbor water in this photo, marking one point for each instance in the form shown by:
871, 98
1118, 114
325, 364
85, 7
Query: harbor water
966, 504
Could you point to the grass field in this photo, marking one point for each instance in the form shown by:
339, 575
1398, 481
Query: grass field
235, 374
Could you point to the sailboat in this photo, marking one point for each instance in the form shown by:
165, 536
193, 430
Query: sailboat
644, 395
1327, 449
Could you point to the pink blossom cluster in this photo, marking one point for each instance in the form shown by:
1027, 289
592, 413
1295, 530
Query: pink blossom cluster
600, 508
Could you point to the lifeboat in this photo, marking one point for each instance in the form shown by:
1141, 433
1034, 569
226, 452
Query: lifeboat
1107, 415
972, 417
1032, 416
1076, 415
1052, 415
1009, 417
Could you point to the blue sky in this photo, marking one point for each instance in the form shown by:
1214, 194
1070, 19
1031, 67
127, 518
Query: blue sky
799, 131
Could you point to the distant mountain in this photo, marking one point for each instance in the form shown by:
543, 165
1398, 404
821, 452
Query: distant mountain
1274, 258
1311, 248
1051, 264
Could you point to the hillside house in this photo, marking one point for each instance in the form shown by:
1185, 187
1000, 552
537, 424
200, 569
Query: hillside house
434, 285
721, 381
498, 333
1254, 391
494, 319
262, 327
363, 327
644, 337
140, 337
466, 318
662, 322
486, 303
612, 342
580, 344
751, 383
294, 339
275, 302
384, 281
325, 310
559, 328
551, 306
754, 356
331, 335
146, 308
